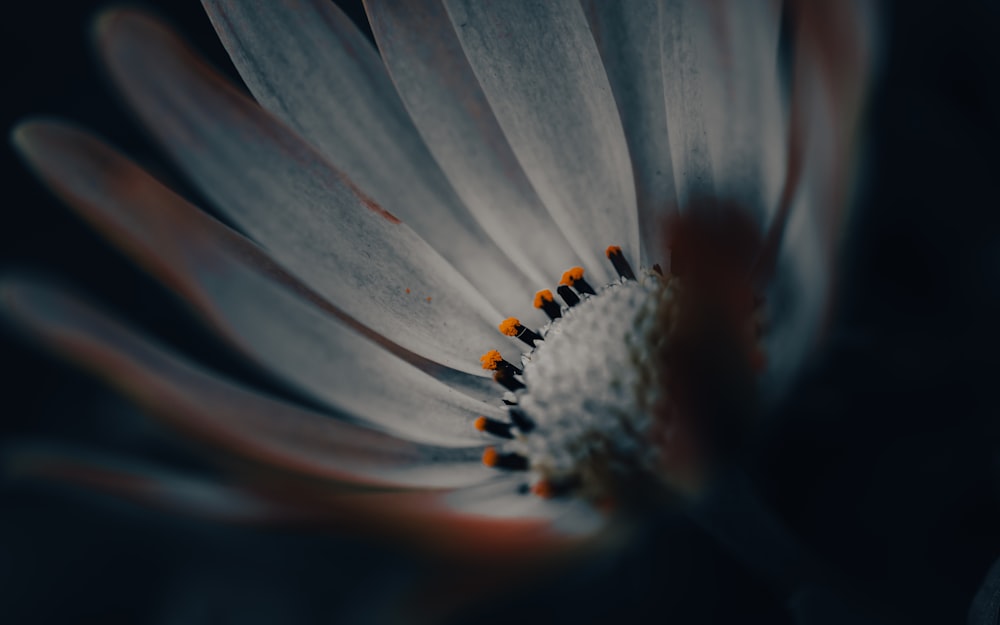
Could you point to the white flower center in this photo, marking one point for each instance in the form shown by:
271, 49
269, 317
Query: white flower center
592, 387
589, 409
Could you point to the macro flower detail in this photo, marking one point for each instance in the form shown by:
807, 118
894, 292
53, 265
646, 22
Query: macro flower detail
402, 216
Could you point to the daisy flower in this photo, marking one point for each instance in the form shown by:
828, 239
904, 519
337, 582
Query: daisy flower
530, 266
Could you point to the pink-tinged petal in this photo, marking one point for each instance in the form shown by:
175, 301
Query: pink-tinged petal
431, 522
224, 414
628, 36
542, 75
423, 520
307, 63
835, 55
146, 484
236, 289
277, 188
723, 96
450, 110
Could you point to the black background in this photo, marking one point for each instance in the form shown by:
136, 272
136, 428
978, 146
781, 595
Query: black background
885, 461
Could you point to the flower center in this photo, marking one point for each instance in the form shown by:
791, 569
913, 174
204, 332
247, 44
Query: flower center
623, 385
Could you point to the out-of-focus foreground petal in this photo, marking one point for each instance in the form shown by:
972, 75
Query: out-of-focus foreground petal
306, 62
225, 279
425, 521
307, 215
436, 83
542, 75
834, 59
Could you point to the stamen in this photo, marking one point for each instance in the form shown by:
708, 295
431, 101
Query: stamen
512, 327
496, 460
507, 380
571, 298
547, 488
574, 278
621, 265
494, 427
521, 420
542, 489
545, 301
493, 361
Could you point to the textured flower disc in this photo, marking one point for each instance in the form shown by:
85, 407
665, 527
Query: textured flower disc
590, 406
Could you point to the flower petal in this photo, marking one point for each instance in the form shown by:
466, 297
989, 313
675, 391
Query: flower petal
307, 215
441, 93
306, 62
144, 483
543, 77
422, 519
835, 57
222, 413
232, 285
723, 98
628, 36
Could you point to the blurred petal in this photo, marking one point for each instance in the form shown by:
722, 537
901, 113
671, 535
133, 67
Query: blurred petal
306, 62
307, 215
441, 93
224, 277
224, 414
834, 59
628, 36
144, 483
425, 520
543, 77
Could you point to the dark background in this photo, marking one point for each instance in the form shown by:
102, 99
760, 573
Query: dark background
885, 461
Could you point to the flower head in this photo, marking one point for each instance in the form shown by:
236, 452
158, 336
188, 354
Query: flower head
405, 214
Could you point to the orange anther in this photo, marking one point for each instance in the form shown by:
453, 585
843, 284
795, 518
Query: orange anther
490, 457
480, 424
542, 297
612, 250
543, 489
570, 277
491, 359
510, 326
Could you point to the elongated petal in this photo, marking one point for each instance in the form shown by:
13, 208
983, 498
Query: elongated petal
435, 81
229, 281
144, 483
307, 215
723, 98
223, 413
628, 36
306, 62
425, 520
543, 77
835, 58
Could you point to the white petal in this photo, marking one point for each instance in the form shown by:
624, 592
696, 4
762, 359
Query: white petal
306, 62
451, 112
226, 279
834, 62
628, 36
309, 217
232, 417
723, 97
543, 77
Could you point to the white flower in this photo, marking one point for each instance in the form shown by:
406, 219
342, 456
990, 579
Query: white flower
394, 210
